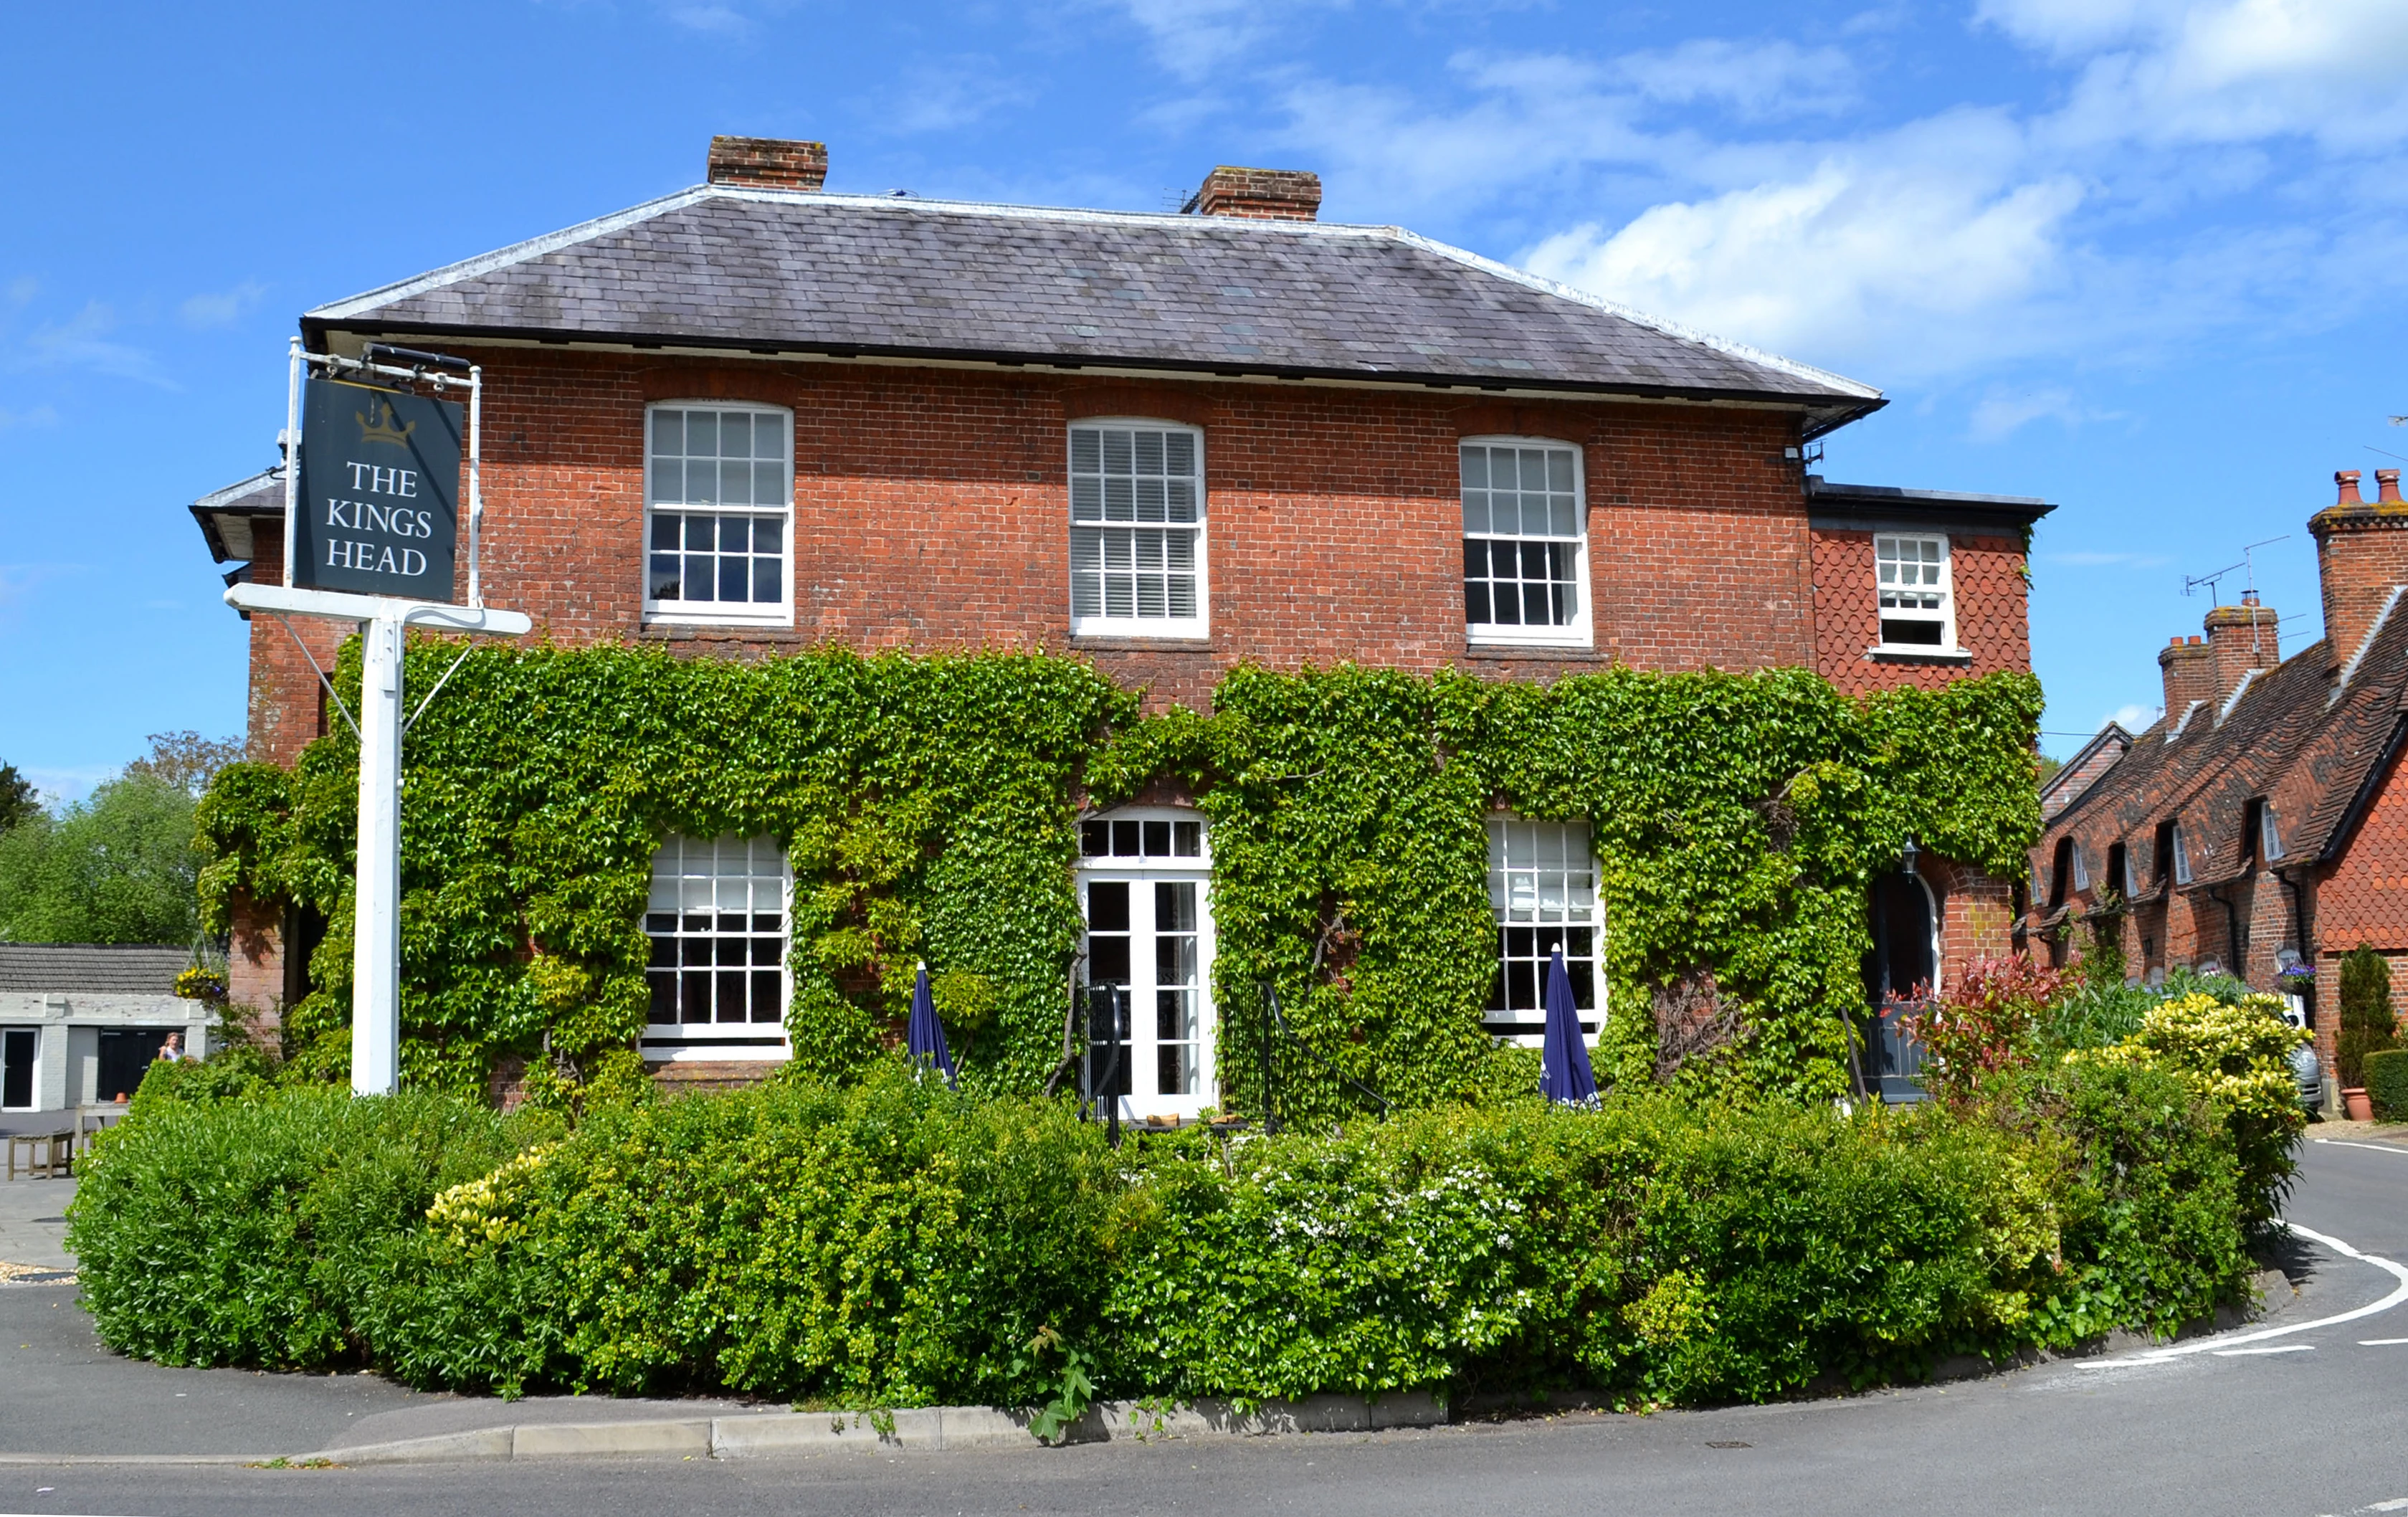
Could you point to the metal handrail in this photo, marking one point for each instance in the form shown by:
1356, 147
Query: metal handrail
1277, 1019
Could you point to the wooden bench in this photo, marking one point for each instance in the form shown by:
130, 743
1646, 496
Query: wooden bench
48, 1155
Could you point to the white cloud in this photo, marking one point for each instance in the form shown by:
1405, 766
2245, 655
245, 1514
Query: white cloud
1758, 80
83, 342
222, 309
2134, 718
2224, 71
2001, 413
1907, 250
709, 19
59, 787
953, 93
40, 416
1192, 37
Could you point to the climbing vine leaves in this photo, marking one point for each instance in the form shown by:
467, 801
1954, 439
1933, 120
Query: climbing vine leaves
927, 807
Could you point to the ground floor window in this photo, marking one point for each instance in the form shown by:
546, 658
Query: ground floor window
1543, 890
1146, 886
717, 918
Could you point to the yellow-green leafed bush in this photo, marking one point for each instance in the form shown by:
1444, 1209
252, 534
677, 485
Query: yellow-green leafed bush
2235, 1055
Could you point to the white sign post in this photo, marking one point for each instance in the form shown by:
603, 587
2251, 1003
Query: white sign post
383, 621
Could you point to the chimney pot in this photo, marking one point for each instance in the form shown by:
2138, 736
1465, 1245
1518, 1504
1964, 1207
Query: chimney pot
2192, 640
767, 163
1262, 195
2387, 487
2347, 480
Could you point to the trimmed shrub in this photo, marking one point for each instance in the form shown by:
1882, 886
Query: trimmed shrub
250, 1231
2387, 1083
891, 1244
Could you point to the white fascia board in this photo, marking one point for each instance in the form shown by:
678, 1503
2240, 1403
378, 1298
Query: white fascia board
2238, 691
519, 252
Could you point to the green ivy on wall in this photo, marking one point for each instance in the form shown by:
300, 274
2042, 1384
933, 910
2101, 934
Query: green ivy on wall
928, 806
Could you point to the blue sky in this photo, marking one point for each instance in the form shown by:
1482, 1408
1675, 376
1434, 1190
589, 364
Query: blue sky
2141, 257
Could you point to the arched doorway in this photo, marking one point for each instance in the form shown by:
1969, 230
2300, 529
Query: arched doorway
1900, 975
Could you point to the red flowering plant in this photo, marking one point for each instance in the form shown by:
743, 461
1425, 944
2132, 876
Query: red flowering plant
1987, 1022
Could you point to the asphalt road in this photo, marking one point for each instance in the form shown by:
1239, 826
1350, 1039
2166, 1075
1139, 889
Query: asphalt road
2319, 1426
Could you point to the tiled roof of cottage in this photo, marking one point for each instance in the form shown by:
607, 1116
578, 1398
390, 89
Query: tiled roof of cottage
770, 271
91, 968
2288, 735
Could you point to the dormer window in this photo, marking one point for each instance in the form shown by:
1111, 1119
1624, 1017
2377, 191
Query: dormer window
1911, 576
2269, 833
2178, 852
2119, 870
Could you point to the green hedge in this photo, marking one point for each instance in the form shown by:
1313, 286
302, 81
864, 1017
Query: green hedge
2387, 1085
885, 1244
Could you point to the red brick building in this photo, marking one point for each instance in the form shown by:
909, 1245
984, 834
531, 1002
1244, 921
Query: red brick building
2259, 823
754, 417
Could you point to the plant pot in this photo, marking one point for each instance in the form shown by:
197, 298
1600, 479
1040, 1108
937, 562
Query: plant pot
2353, 1102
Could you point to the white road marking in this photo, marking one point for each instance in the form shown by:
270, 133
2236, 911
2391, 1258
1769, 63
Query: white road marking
2380, 1343
2279, 1347
2224, 1345
2393, 1504
2379, 1147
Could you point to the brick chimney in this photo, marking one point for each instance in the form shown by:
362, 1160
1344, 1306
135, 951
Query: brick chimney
1262, 195
2361, 552
768, 162
2240, 639
2189, 667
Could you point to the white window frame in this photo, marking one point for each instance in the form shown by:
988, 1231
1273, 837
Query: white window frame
1947, 618
1184, 628
1140, 873
1580, 632
765, 864
1527, 1027
2181, 851
2269, 833
718, 613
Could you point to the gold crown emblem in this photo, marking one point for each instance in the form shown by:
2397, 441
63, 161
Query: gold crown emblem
377, 425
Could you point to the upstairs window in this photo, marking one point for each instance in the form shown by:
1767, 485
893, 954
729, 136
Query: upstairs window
718, 504
2174, 854
717, 921
1136, 530
1542, 892
2061, 873
2262, 838
2119, 870
1911, 574
1525, 542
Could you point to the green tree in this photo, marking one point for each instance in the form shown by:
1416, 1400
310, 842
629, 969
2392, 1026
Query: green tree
118, 868
186, 759
2368, 1025
17, 797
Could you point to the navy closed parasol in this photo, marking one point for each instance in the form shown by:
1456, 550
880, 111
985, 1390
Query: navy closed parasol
1564, 1073
925, 1039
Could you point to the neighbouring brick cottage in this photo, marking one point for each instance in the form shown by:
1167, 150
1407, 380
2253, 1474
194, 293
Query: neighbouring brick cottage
2259, 825
754, 417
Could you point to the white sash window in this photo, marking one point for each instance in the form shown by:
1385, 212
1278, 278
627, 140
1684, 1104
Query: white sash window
718, 919
1542, 891
1136, 530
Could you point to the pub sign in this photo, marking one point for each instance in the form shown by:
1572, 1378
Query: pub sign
379, 491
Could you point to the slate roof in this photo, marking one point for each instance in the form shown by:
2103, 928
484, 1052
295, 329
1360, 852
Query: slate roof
227, 516
91, 968
772, 271
2312, 745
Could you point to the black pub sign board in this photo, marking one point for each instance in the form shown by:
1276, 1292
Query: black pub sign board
379, 491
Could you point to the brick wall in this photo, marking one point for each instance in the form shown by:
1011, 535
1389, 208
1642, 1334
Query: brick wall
1993, 621
931, 513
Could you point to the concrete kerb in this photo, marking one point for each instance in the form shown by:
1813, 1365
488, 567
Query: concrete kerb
913, 1429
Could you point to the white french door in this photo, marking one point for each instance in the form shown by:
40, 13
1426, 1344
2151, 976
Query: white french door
1149, 937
